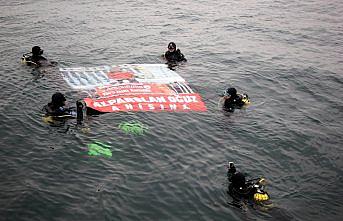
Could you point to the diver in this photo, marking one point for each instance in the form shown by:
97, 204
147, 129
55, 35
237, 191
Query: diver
57, 110
231, 100
34, 58
252, 190
174, 55
56, 107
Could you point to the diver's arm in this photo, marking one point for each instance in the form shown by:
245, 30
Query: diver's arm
62, 112
167, 56
181, 57
231, 171
42, 58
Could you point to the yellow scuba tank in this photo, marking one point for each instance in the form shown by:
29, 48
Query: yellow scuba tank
23, 60
48, 119
26, 59
260, 197
245, 99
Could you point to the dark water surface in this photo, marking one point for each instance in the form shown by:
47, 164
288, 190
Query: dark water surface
287, 55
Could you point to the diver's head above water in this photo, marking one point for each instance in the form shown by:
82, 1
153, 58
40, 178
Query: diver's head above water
36, 51
171, 46
58, 99
231, 91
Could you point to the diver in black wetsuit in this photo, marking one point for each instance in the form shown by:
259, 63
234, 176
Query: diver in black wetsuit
174, 55
35, 58
233, 100
56, 107
240, 189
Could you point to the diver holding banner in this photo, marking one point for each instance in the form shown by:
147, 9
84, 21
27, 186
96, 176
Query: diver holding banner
56, 110
57, 107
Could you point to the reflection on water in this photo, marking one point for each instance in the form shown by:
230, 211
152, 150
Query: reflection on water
285, 54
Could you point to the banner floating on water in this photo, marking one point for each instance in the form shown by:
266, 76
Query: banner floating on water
133, 87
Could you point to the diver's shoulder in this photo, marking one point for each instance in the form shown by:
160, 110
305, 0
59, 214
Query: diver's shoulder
40, 57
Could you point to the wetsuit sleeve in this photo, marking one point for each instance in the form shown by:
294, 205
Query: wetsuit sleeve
167, 56
60, 111
29, 61
181, 57
70, 111
57, 111
39, 60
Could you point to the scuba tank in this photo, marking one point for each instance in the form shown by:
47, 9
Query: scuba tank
245, 99
260, 195
27, 59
